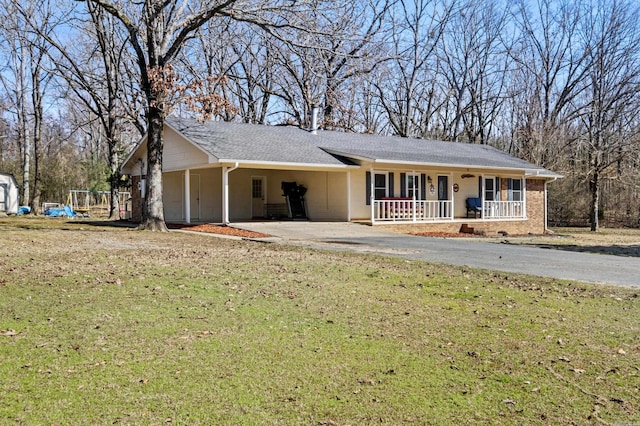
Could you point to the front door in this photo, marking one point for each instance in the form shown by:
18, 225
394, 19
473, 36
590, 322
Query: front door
443, 195
491, 189
258, 196
194, 196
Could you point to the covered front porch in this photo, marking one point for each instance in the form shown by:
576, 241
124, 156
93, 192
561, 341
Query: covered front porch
411, 210
436, 196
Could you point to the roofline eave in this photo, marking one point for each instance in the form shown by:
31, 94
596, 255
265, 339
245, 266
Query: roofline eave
291, 165
543, 174
448, 165
348, 155
527, 172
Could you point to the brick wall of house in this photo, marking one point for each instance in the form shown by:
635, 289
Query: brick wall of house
492, 228
136, 200
536, 205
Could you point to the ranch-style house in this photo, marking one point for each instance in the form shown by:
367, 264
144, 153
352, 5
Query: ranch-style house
222, 172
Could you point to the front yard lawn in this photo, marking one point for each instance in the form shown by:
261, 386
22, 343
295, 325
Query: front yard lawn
109, 325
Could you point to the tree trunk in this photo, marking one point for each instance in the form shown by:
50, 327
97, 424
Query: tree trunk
594, 188
37, 190
114, 181
26, 164
153, 213
38, 116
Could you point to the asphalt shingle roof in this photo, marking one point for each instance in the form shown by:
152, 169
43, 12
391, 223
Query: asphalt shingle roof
256, 143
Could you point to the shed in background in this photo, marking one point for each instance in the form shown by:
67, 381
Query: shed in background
8, 194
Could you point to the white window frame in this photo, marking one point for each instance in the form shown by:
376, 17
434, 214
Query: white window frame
415, 189
512, 191
494, 191
376, 188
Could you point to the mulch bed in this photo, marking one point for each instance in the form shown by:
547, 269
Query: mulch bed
217, 229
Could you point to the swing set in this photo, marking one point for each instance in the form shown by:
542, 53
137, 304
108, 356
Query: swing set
97, 203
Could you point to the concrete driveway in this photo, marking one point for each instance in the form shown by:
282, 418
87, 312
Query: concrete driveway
354, 237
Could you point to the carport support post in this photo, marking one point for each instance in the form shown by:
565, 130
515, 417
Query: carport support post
225, 192
187, 196
349, 196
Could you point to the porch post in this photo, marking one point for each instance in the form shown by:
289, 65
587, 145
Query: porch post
452, 196
524, 198
414, 200
482, 212
349, 196
225, 195
187, 196
413, 192
225, 192
372, 186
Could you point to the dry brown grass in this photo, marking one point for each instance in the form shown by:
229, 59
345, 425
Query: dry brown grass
621, 242
108, 325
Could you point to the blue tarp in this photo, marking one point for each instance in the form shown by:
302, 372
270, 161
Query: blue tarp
24, 210
65, 211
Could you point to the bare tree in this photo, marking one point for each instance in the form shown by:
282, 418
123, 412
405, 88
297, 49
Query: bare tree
252, 77
30, 82
227, 57
158, 30
367, 107
610, 118
406, 86
552, 67
15, 80
473, 61
316, 58
92, 68
252, 74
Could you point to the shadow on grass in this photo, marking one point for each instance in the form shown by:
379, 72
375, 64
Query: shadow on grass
105, 223
614, 250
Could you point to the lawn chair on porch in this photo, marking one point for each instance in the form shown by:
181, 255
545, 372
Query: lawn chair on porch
474, 204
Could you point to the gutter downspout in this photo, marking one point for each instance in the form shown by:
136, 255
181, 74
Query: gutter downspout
225, 192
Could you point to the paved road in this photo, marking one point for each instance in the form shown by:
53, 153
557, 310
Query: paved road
590, 267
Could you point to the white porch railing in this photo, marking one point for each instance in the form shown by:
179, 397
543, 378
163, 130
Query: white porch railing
411, 210
503, 210
407, 210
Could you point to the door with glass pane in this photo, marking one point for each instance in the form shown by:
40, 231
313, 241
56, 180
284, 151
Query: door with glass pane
258, 196
443, 195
